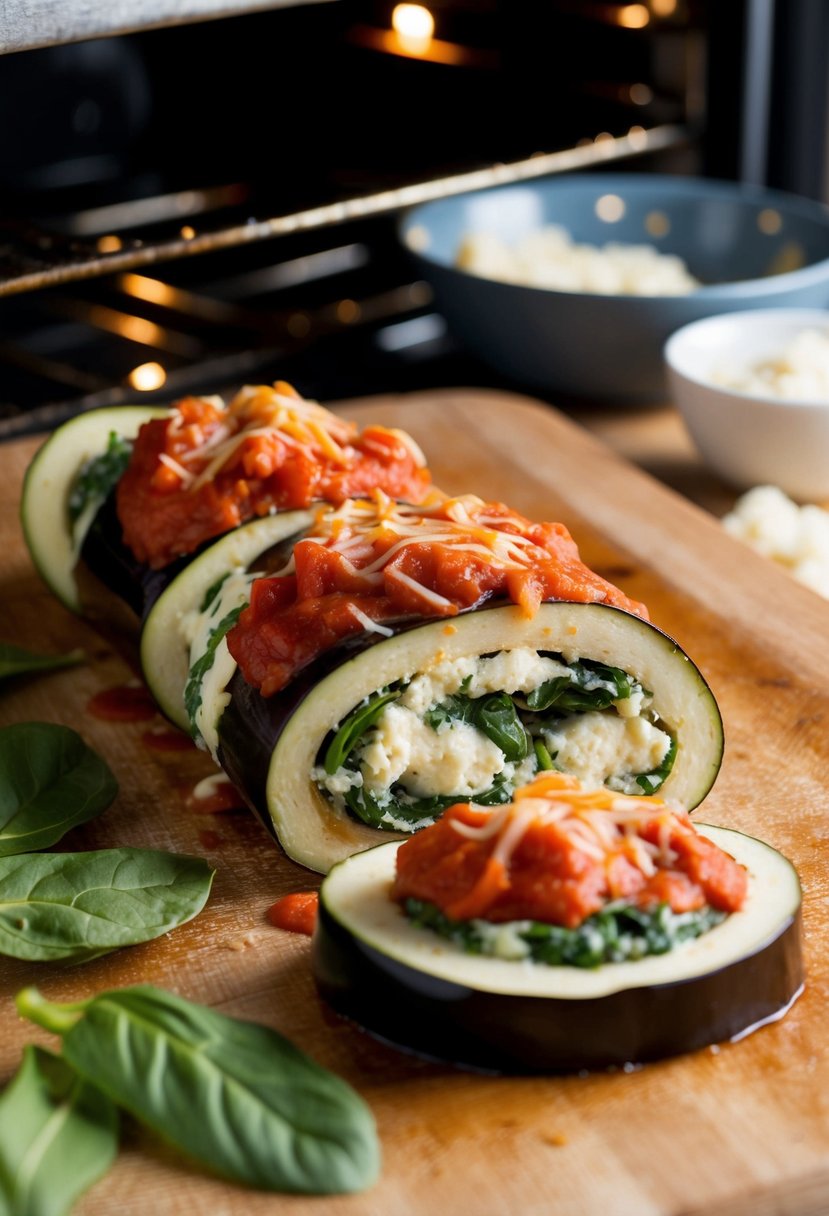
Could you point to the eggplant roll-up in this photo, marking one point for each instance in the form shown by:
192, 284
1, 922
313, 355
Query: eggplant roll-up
406, 658
572, 928
117, 501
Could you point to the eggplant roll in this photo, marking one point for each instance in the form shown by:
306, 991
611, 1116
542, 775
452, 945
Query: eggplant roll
419, 991
380, 734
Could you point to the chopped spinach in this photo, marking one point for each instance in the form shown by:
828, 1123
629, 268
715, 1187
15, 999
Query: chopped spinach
354, 727
619, 933
543, 759
493, 715
400, 807
589, 685
649, 783
99, 475
213, 590
193, 687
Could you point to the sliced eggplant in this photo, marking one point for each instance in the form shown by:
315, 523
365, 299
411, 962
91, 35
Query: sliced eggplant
269, 747
416, 990
165, 641
54, 543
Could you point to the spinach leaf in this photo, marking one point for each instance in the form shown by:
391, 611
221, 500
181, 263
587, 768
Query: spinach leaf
50, 781
354, 727
99, 475
213, 590
494, 715
235, 1095
15, 661
56, 906
650, 782
543, 759
618, 933
418, 812
193, 687
58, 1135
590, 685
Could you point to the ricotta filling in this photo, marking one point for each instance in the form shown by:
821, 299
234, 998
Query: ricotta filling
411, 756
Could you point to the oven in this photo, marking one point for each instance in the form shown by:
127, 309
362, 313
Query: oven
211, 197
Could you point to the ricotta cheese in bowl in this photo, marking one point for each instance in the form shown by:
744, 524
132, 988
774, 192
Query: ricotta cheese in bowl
549, 258
797, 372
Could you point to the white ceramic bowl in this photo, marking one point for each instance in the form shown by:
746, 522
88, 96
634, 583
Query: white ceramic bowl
747, 438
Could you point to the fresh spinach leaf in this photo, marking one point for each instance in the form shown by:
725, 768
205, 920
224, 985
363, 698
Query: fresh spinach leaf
617, 934
493, 715
589, 685
193, 687
235, 1095
76, 906
50, 781
650, 782
213, 590
354, 727
58, 1135
15, 661
99, 476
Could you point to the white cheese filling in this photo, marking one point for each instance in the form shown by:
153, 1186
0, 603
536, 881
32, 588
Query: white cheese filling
610, 746
197, 629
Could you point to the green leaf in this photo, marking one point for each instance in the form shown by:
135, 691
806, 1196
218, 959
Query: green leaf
235, 1095
618, 933
56, 906
99, 476
193, 687
50, 781
589, 685
15, 661
354, 727
58, 1135
543, 759
650, 782
494, 715
417, 812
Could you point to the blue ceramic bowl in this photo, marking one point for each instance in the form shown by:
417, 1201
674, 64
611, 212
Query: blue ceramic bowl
750, 247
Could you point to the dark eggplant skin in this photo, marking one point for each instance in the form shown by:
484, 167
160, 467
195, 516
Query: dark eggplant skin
251, 724
506, 1034
110, 561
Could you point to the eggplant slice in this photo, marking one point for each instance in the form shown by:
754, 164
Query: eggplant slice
415, 990
269, 747
53, 542
165, 650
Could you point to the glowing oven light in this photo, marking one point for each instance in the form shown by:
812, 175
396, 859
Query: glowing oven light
414, 26
147, 376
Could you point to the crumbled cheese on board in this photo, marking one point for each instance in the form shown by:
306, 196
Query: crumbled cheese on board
796, 537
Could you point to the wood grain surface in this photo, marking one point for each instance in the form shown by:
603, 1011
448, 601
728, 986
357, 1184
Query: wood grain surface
741, 1130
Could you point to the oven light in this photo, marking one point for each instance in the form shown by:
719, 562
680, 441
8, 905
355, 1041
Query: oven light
633, 16
413, 24
147, 376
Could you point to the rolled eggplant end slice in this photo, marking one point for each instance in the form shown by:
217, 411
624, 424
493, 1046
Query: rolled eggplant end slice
420, 993
44, 510
165, 650
315, 834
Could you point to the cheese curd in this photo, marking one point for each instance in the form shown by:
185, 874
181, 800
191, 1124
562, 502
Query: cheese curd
795, 537
602, 749
799, 372
550, 258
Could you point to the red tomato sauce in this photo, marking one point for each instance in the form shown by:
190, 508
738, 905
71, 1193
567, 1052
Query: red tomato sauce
549, 874
281, 462
362, 569
125, 703
297, 912
214, 796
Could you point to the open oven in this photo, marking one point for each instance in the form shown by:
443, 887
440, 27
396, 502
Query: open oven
212, 197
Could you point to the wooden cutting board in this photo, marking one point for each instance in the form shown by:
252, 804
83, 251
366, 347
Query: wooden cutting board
743, 1129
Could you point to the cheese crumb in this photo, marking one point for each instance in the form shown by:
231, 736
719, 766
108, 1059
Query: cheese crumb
796, 538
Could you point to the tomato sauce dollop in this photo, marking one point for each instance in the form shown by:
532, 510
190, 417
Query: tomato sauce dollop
274, 451
563, 864
377, 561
